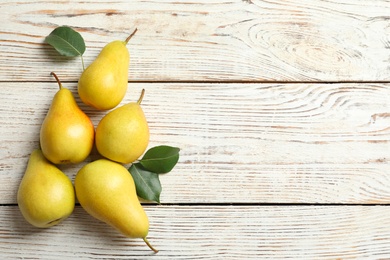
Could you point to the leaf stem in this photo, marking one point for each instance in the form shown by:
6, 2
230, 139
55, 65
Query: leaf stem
131, 35
150, 246
58, 80
82, 62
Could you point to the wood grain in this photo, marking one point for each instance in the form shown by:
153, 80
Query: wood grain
209, 232
295, 40
240, 143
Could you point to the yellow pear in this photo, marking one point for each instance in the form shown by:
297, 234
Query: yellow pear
106, 190
122, 135
46, 195
67, 133
103, 84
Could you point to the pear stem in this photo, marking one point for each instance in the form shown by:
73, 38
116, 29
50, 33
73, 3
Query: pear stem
131, 35
141, 97
150, 246
58, 80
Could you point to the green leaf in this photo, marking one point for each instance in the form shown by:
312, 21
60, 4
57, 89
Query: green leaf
66, 41
147, 183
160, 159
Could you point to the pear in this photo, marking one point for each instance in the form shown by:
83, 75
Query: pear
122, 135
46, 195
103, 84
67, 133
106, 190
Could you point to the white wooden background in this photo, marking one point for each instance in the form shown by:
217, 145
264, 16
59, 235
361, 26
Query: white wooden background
281, 109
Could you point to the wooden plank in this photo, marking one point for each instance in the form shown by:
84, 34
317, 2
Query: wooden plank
297, 40
256, 143
209, 232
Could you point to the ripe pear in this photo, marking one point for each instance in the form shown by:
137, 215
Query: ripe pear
122, 135
103, 84
67, 133
46, 195
106, 190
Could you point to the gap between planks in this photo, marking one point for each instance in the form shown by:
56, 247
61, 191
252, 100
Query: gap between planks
251, 204
217, 82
